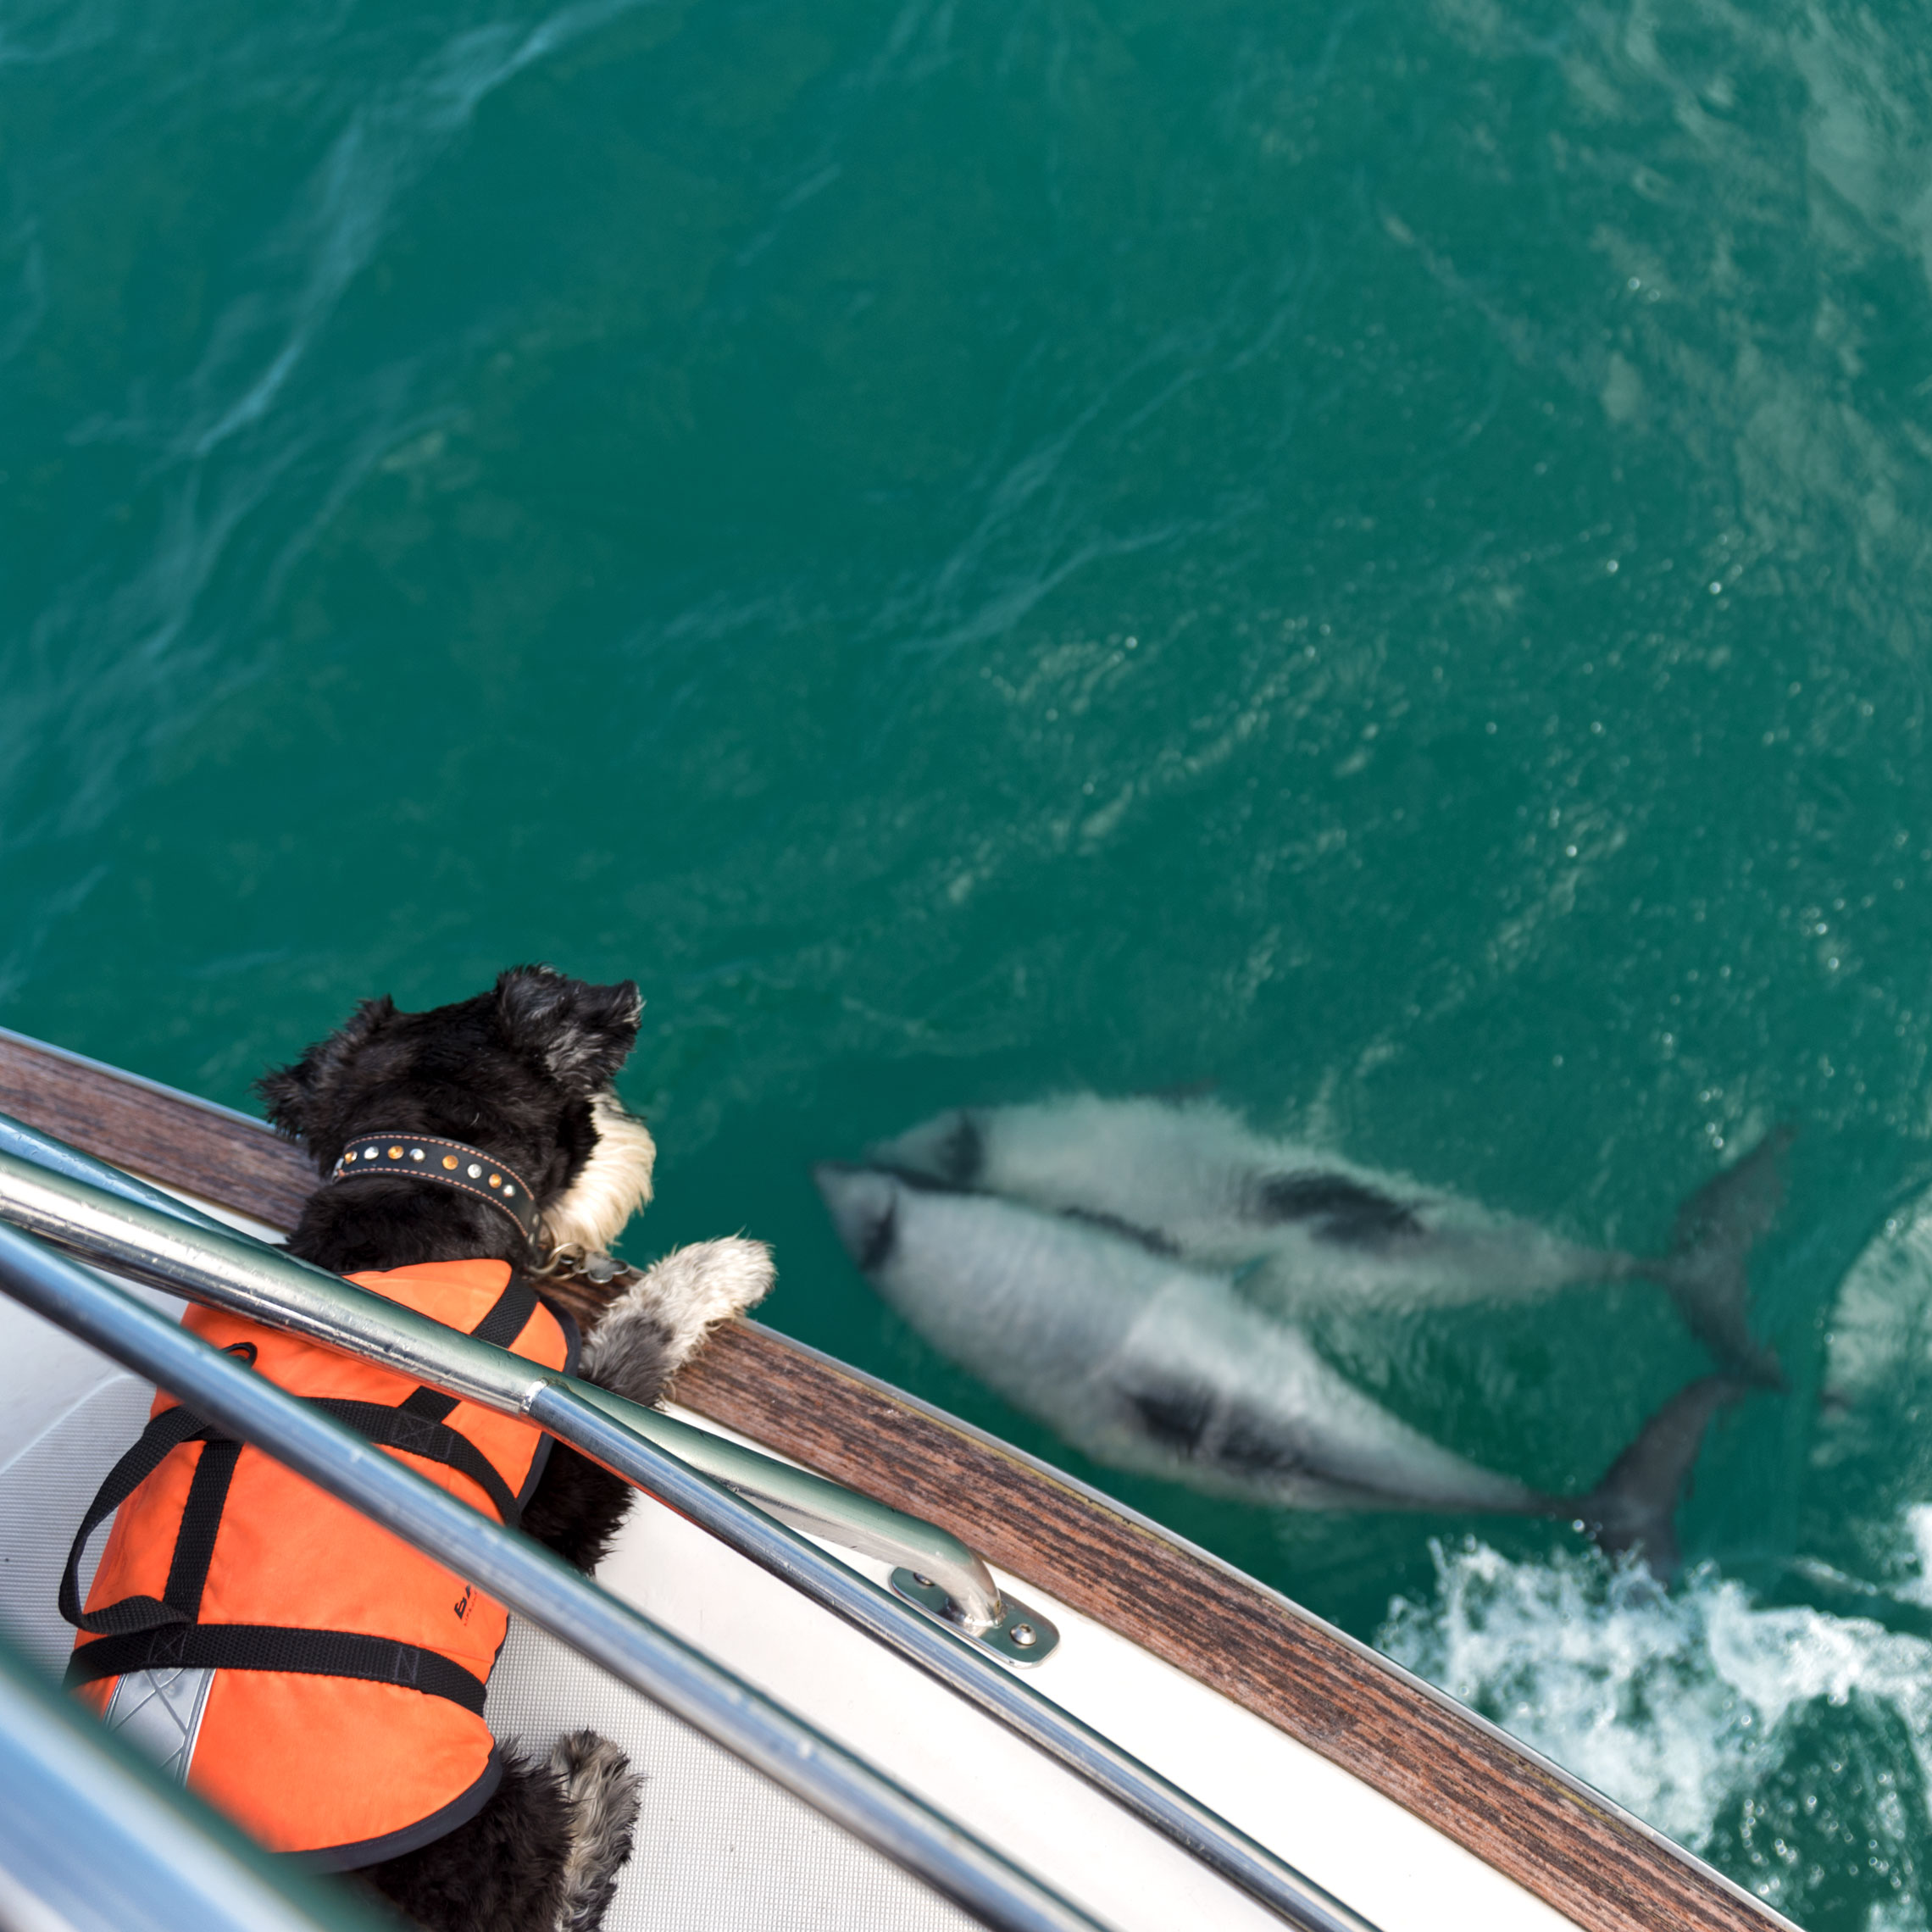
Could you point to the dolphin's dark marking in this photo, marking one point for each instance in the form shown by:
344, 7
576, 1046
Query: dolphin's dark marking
1344, 1210
1250, 1448
1174, 1414
1196, 1423
1151, 1239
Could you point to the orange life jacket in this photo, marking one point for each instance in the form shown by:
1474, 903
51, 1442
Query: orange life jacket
307, 1672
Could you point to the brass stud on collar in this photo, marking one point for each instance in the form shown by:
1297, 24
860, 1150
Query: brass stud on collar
449, 1161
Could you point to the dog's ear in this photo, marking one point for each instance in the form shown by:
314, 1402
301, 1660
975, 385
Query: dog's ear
579, 1034
289, 1093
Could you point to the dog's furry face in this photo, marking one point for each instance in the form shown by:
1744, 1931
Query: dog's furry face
522, 1071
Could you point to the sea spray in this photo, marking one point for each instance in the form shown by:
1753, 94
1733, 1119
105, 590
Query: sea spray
1791, 1747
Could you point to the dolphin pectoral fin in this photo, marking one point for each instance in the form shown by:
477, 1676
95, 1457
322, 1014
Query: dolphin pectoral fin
1229, 1442
1710, 1245
1633, 1507
1247, 1446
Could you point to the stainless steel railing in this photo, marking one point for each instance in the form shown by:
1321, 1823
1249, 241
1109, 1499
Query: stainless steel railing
91, 1835
93, 1209
541, 1588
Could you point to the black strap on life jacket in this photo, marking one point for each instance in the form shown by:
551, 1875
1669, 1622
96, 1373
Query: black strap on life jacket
182, 1604
272, 1646
508, 1316
141, 1632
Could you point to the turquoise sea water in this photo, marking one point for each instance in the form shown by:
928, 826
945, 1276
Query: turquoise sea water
1373, 556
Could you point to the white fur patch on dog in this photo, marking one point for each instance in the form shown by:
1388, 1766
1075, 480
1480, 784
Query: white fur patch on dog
655, 1327
602, 1791
614, 1183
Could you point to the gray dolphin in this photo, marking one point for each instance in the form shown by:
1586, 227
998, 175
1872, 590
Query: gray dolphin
1147, 1363
1310, 1229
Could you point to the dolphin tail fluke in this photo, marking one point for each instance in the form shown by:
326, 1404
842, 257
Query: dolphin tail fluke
1705, 1270
1633, 1508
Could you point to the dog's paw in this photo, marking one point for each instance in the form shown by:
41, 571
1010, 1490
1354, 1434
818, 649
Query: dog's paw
601, 1791
655, 1327
709, 1282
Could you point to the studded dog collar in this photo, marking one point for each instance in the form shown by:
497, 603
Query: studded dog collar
450, 1164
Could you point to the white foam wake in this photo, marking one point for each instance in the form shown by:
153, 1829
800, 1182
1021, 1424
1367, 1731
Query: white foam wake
1681, 1707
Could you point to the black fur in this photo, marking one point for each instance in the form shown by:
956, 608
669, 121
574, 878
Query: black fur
579, 1508
512, 1071
500, 1872
549, 1856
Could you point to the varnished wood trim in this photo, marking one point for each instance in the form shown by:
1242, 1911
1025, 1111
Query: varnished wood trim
1581, 1855
168, 1137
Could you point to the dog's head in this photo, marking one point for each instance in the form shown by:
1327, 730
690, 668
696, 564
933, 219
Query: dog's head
522, 1071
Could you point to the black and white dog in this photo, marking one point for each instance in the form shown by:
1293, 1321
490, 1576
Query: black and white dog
524, 1073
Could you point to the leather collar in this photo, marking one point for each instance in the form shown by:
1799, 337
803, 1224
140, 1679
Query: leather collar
449, 1163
